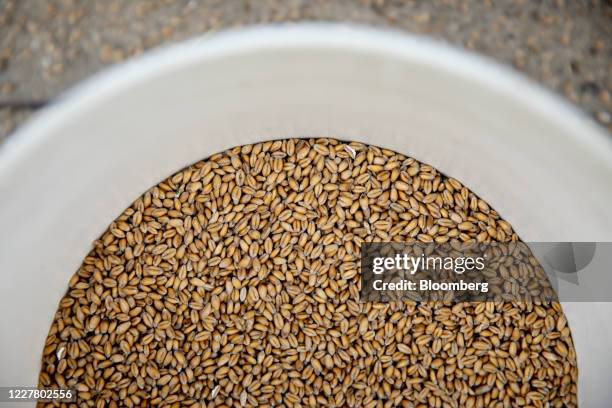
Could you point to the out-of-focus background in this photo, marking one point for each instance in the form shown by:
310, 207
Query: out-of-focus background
47, 46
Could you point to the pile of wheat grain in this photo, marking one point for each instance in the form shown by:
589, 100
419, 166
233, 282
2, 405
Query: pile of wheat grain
235, 282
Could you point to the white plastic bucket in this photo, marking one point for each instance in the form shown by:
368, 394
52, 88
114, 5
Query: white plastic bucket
73, 168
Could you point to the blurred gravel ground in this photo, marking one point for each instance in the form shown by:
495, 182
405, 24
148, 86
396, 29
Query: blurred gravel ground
47, 46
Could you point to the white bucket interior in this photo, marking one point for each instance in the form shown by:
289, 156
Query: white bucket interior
67, 174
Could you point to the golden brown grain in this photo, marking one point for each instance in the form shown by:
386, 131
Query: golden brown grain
235, 282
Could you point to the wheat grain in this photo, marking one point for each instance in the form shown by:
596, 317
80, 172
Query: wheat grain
235, 282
